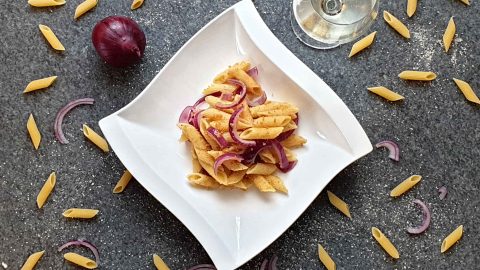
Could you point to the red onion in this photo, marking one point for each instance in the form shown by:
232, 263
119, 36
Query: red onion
232, 129
119, 41
272, 264
284, 135
61, 114
251, 153
264, 265
282, 157
226, 96
392, 147
258, 101
217, 136
425, 221
197, 117
82, 242
221, 159
242, 94
290, 166
253, 72
443, 192
186, 115
203, 267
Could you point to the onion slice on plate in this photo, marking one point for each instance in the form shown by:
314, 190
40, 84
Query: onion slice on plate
284, 135
186, 115
82, 242
217, 136
253, 72
426, 218
61, 114
290, 166
203, 267
221, 159
232, 129
264, 265
392, 147
443, 192
282, 157
257, 101
242, 94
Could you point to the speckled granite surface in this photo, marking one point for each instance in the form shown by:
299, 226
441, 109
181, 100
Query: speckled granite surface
437, 130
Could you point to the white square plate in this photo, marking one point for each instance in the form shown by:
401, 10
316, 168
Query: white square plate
233, 226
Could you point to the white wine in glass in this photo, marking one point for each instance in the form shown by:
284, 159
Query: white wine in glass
325, 24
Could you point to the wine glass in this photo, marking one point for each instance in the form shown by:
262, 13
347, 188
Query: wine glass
325, 24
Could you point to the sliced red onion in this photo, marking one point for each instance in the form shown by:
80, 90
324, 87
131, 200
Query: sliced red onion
257, 101
61, 114
284, 135
232, 129
290, 166
253, 72
282, 157
82, 242
242, 94
217, 136
443, 192
251, 153
186, 115
197, 117
203, 267
227, 96
425, 221
392, 147
264, 265
221, 159
272, 264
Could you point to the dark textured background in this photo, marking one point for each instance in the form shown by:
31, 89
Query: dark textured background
437, 130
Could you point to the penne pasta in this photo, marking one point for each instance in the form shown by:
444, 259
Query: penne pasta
272, 121
385, 243
240, 185
262, 169
273, 109
123, 182
294, 141
261, 183
222, 77
80, 260
219, 87
325, 258
95, 138
261, 133
235, 177
385, 93
33, 131
32, 260
405, 185
449, 34
339, 204
466, 2
136, 4
276, 183
467, 91
51, 37
252, 86
362, 44
46, 3
46, 190
39, 84
84, 7
417, 75
452, 238
159, 263
202, 180
396, 24
80, 213
194, 136
267, 156
411, 7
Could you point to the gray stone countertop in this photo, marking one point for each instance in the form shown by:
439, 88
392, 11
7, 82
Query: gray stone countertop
437, 129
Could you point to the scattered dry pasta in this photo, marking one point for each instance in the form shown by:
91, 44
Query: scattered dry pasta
46, 190
385, 93
159, 263
325, 258
46, 3
136, 4
39, 84
467, 91
123, 182
411, 7
84, 7
417, 75
452, 238
362, 44
466, 2
385, 243
33, 131
396, 24
95, 138
51, 37
32, 260
449, 34
80, 260
80, 213
339, 204
405, 185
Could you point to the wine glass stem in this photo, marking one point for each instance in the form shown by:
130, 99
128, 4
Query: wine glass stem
332, 7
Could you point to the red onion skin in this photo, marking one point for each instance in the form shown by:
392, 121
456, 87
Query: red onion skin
61, 114
443, 192
426, 218
392, 147
119, 41
81, 242
203, 267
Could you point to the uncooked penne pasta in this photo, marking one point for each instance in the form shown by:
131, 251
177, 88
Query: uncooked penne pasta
467, 91
84, 7
80, 260
32, 260
385, 243
466, 2
452, 238
136, 4
46, 190
95, 138
262, 169
51, 37
405, 185
272, 121
411, 7
294, 141
385, 93
449, 34
339, 204
362, 44
46, 3
325, 258
276, 183
417, 75
159, 263
39, 84
33, 131
80, 213
123, 182
261, 183
396, 24
202, 180
261, 133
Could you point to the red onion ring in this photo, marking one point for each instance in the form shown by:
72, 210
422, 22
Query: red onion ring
443, 192
253, 72
282, 157
272, 265
284, 135
251, 153
242, 94
197, 117
186, 115
221, 159
264, 265
226, 96
257, 101
203, 267
217, 136
232, 129
290, 166
82, 242
61, 114
426, 218
392, 148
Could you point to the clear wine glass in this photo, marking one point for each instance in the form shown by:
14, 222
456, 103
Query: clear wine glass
325, 24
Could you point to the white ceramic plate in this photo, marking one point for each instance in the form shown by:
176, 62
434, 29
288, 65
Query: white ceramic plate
233, 226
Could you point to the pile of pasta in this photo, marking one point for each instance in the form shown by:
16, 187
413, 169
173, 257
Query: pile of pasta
240, 139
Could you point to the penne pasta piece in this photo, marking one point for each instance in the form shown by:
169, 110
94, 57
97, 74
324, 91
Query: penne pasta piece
290, 126
32, 260
273, 109
194, 136
84, 7
262, 169
396, 24
411, 7
290, 155
159, 263
80, 213
267, 156
219, 87
417, 75
46, 190
33, 131
202, 180
234, 165
46, 3
136, 4
51, 37
123, 182
466, 2
405, 185
385, 93
39, 84
452, 238
261, 133
95, 138
325, 258
339, 204
449, 34
252, 86
235, 177
362, 44
272, 121
385, 243
261, 183
196, 166
467, 91
294, 141
240, 185
80, 260
222, 77
277, 183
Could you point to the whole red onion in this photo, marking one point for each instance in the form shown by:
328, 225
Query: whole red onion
119, 41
